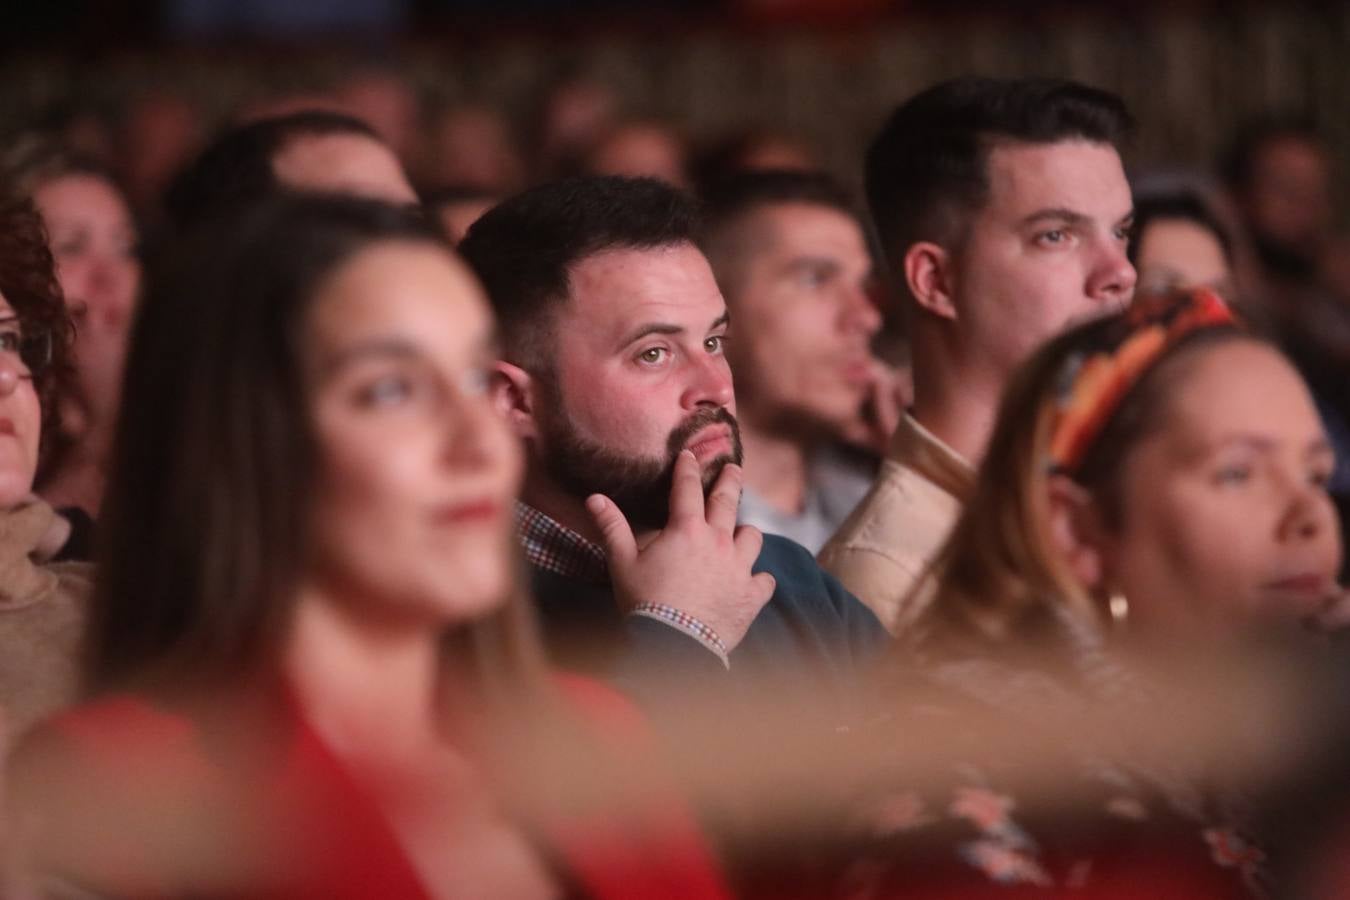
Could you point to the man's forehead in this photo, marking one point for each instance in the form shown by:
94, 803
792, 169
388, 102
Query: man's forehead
614, 288
1078, 175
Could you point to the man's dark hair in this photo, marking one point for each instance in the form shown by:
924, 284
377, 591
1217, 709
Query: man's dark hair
1184, 205
728, 203
235, 170
738, 193
523, 248
927, 170
1237, 163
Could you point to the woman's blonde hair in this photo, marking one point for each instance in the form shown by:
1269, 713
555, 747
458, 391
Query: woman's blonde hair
999, 580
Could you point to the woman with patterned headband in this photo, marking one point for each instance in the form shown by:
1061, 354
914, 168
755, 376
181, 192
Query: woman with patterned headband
1155, 480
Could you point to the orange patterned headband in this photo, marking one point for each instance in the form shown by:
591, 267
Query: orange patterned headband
1097, 381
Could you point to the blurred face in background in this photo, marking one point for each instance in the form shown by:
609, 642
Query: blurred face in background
1182, 253
641, 149
20, 414
1287, 201
1225, 513
95, 245
417, 474
802, 316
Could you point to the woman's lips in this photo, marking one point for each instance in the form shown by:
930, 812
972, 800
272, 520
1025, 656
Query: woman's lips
484, 510
1303, 583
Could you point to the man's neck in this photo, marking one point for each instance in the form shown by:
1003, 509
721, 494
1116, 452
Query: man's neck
561, 507
775, 467
956, 403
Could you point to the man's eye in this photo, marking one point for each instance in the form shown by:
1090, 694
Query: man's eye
715, 344
653, 355
1052, 237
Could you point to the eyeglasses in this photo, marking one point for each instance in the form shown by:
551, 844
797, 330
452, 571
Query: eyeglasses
33, 347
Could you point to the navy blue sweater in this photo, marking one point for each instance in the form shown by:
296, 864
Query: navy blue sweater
812, 635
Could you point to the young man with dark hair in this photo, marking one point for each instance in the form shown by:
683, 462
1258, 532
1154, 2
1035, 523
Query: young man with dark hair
613, 373
1002, 208
791, 257
315, 150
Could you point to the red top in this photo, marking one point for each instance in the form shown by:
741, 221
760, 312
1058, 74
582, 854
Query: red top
140, 804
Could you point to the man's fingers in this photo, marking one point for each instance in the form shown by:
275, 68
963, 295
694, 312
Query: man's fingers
725, 500
686, 488
749, 540
618, 536
763, 585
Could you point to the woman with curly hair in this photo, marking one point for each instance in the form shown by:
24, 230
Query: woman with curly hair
41, 603
95, 243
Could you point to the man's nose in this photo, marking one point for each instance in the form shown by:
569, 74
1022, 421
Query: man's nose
1112, 277
709, 383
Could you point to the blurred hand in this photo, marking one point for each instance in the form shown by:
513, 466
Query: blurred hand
889, 393
1335, 614
699, 563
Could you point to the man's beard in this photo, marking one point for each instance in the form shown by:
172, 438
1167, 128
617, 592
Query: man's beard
638, 485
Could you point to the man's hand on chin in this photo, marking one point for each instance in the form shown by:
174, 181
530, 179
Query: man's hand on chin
699, 564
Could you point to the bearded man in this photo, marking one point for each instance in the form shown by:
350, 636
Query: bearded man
613, 372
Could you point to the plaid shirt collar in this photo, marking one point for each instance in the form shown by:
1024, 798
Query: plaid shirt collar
556, 548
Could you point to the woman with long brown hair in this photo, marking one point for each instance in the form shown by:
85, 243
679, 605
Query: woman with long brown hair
312, 671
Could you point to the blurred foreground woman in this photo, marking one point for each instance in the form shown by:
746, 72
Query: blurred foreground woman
1155, 488
313, 673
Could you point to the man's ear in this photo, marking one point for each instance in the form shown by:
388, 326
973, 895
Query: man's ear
1077, 531
928, 273
513, 393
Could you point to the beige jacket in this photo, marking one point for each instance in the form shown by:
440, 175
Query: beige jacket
42, 618
883, 548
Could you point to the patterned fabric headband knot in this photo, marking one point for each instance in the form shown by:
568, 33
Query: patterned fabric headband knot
1094, 382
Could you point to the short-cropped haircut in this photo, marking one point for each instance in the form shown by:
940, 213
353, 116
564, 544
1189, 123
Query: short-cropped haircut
927, 171
523, 249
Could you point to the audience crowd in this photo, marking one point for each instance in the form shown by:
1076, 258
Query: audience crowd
393, 508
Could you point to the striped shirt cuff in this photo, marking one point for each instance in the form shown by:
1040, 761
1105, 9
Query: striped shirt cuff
695, 628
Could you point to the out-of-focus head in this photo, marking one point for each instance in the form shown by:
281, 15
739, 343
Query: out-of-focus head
1161, 465
160, 132
473, 145
791, 258
1180, 243
305, 417
95, 242
457, 208
756, 150
383, 97
315, 150
1278, 170
640, 148
613, 331
35, 335
1002, 205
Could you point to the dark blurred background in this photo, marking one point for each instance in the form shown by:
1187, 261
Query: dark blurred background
820, 72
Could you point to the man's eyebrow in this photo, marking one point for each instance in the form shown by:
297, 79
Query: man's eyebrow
642, 331
1056, 214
